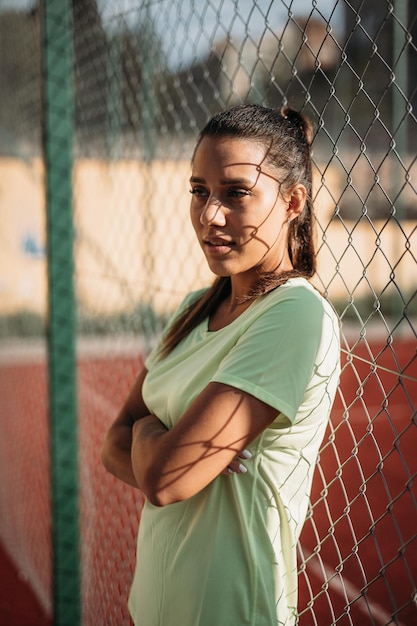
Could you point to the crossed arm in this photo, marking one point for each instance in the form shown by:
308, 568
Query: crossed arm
173, 465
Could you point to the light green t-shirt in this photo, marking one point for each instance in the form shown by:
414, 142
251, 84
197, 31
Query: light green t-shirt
227, 556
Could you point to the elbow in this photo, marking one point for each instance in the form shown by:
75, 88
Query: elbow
109, 454
105, 456
158, 492
156, 495
159, 499
163, 497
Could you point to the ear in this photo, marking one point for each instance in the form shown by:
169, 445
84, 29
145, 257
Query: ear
297, 200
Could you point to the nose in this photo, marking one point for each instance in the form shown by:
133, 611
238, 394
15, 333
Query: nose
213, 213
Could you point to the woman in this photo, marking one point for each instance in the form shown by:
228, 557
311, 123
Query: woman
222, 428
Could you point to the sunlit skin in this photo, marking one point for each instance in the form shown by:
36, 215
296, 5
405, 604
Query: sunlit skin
238, 212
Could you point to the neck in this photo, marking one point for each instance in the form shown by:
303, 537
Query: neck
265, 283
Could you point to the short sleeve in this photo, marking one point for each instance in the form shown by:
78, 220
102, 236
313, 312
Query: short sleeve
274, 358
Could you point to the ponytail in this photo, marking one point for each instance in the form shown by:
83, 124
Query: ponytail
195, 313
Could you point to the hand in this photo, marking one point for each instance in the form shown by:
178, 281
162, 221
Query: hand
236, 467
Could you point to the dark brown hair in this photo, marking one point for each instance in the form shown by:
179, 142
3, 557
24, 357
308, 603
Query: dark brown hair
286, 136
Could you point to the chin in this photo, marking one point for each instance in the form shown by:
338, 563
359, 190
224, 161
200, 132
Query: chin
221, 273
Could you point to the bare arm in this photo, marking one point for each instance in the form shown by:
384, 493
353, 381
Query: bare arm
116, 449
174, 465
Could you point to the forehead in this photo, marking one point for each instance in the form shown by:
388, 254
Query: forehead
229, 153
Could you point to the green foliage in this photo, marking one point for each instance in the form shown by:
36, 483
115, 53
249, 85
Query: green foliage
20, 76
144, 320
141, 320
390, 305
22, 324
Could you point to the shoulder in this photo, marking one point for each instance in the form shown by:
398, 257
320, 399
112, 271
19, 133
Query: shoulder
294, 312
191, 298
307, 315
181, 310
296, 297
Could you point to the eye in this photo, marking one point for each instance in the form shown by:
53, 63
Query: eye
200, 192
237, 193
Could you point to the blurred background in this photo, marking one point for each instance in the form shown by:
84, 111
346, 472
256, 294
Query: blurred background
101, 103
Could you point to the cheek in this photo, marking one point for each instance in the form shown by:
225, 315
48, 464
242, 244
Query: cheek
194, 218
265, 221
274, 218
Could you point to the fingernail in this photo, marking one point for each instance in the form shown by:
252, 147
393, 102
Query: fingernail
246, 454
242, 468
229, 469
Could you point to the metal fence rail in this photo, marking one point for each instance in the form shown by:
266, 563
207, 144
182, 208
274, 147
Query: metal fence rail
147, 75
57, 87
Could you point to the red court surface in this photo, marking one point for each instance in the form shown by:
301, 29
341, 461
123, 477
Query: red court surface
18, 604
360, 546
362, 539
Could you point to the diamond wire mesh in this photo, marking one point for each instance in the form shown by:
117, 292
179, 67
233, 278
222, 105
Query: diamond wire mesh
147, 76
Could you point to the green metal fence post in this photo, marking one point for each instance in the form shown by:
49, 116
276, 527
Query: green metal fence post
58, 133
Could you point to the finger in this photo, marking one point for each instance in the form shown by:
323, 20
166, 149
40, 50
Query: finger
236, 468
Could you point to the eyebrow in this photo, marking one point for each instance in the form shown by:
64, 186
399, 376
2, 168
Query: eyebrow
225, 181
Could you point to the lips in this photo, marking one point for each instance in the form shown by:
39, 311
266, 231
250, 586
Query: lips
217, 245
217, 241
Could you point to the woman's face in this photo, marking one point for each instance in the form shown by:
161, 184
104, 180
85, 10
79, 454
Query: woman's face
237, 211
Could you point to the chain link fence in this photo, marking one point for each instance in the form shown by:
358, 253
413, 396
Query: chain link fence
147, 75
